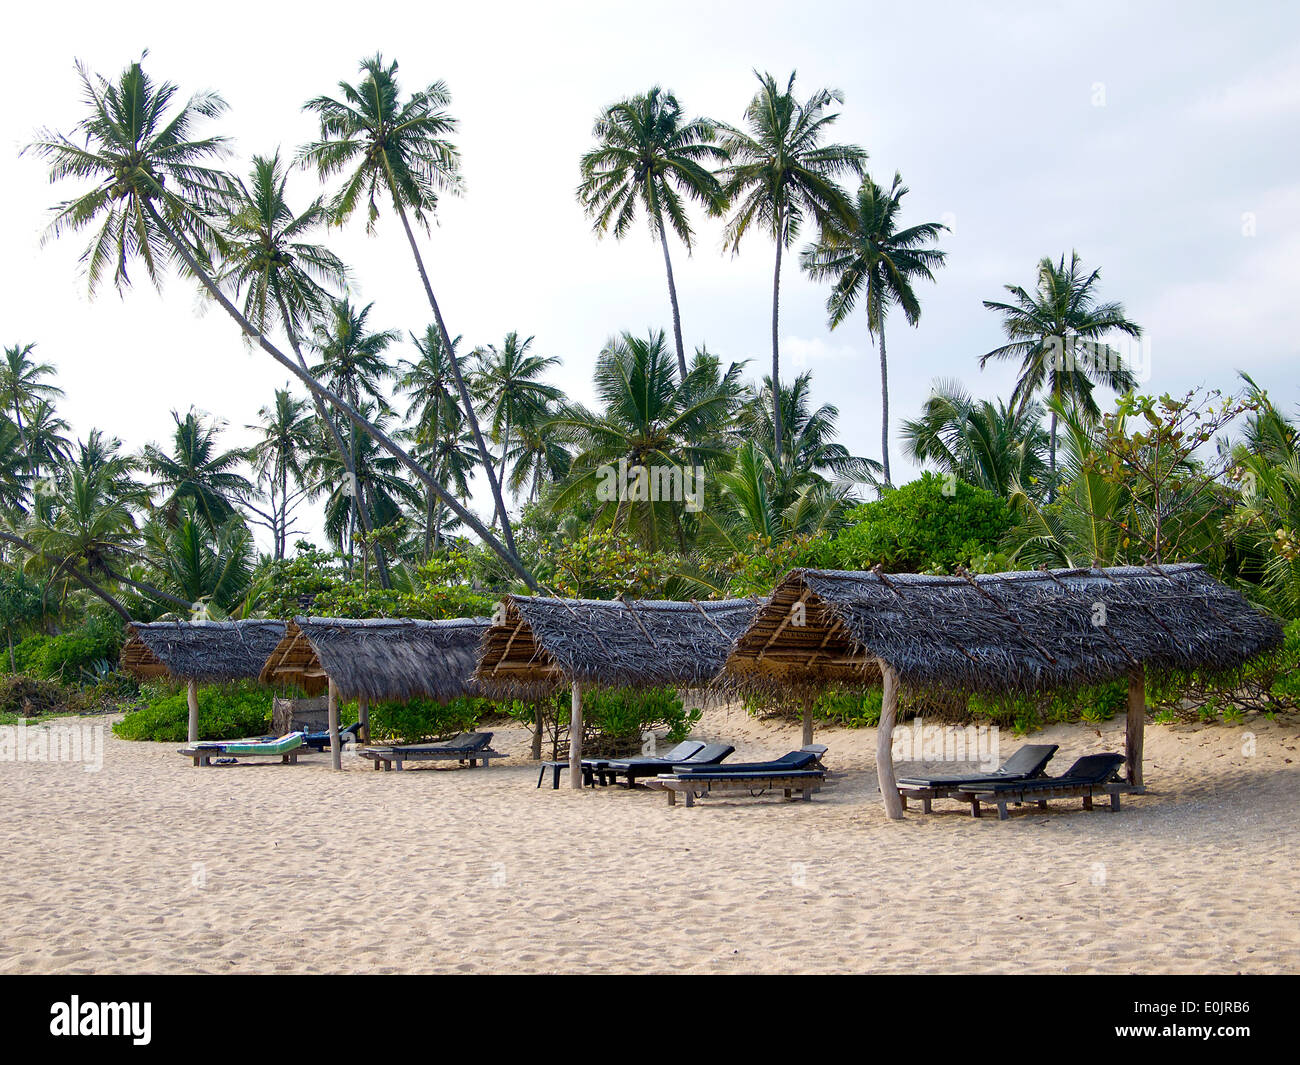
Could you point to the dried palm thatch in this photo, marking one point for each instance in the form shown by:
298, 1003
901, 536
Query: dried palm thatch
537, 644
378, 658
1041, 630
210, 652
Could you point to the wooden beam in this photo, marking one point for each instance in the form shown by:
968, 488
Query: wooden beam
336, 746
505, 651
1135, 726
802, 601
807, 720
363, 719
192, 697
885, 745
575, 738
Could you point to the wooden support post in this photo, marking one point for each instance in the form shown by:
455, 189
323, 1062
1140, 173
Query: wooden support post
539, 722
336, 747
575, 738
363, 719
192, 697
1135, 725
885, 745
807, 720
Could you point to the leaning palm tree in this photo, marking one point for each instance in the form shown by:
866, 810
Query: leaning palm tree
22, 386
1056, 334
151, 199
993, 446
650, 155
397, 150
507, 378
869, 257
780, 171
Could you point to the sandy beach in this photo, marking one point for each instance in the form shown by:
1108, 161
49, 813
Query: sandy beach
151, 865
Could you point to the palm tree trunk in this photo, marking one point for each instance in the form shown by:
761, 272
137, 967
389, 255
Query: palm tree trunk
76, 574
1051, 461
505, 448
672, 297
317, 389
776, 348
884, 404
488, 466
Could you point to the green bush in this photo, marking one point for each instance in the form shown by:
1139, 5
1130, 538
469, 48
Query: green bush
932, 523
226, 712
418, 719
73, 654
850, 709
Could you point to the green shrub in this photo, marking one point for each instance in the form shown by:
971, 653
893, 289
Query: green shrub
226, 712
72, 654
850, 709
932, 523
418, 719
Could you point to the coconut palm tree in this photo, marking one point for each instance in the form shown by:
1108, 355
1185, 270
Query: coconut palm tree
868, 256
22, 387
993, 446
285, 439
780, 170
197, 472
151, 199
506, 377
200, 564
1056, 332
46, 444
400, 151
651, 419
650, 155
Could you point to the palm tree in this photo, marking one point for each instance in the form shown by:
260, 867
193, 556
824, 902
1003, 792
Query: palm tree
1056, 334
507, 379
780, 171
399, 150
202, 564
993, 446
651, 419
197, 472
46, 444
538, 457
279, 456
152, 196
868, 256
650, 154
21, 388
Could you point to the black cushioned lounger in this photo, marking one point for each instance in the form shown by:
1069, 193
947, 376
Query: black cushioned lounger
635, 768
1090, 774
592, 766
804, 758
470, 747
1029, 761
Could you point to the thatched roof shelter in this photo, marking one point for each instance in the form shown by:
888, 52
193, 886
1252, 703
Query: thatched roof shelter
378, 658
208, 652
537, 645
1039, 630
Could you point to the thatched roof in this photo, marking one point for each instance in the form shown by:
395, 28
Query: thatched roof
383, 658
1040, 630
207, 651
537, 644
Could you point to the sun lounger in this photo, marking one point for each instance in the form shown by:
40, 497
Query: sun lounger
320, 741
283, 747
798, 772
1028, 762
469, 748
1091, 775
683, 750
634, 769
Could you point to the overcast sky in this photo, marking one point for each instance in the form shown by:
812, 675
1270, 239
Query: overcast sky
1160, 143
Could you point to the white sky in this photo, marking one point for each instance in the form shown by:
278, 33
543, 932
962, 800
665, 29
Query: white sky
1141, 138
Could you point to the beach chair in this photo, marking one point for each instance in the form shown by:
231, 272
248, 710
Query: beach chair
469, 748
589, 765
283, 747
799, 772
1091, 775
634, 769
1028, 762
320, 741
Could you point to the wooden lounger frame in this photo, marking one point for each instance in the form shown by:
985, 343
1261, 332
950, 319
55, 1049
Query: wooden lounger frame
388, 758
1086, 792
203, 756
738, 784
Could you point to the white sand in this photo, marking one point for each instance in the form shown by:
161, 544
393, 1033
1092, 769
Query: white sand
151, 865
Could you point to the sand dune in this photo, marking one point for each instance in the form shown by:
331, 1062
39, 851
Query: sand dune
151, 865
